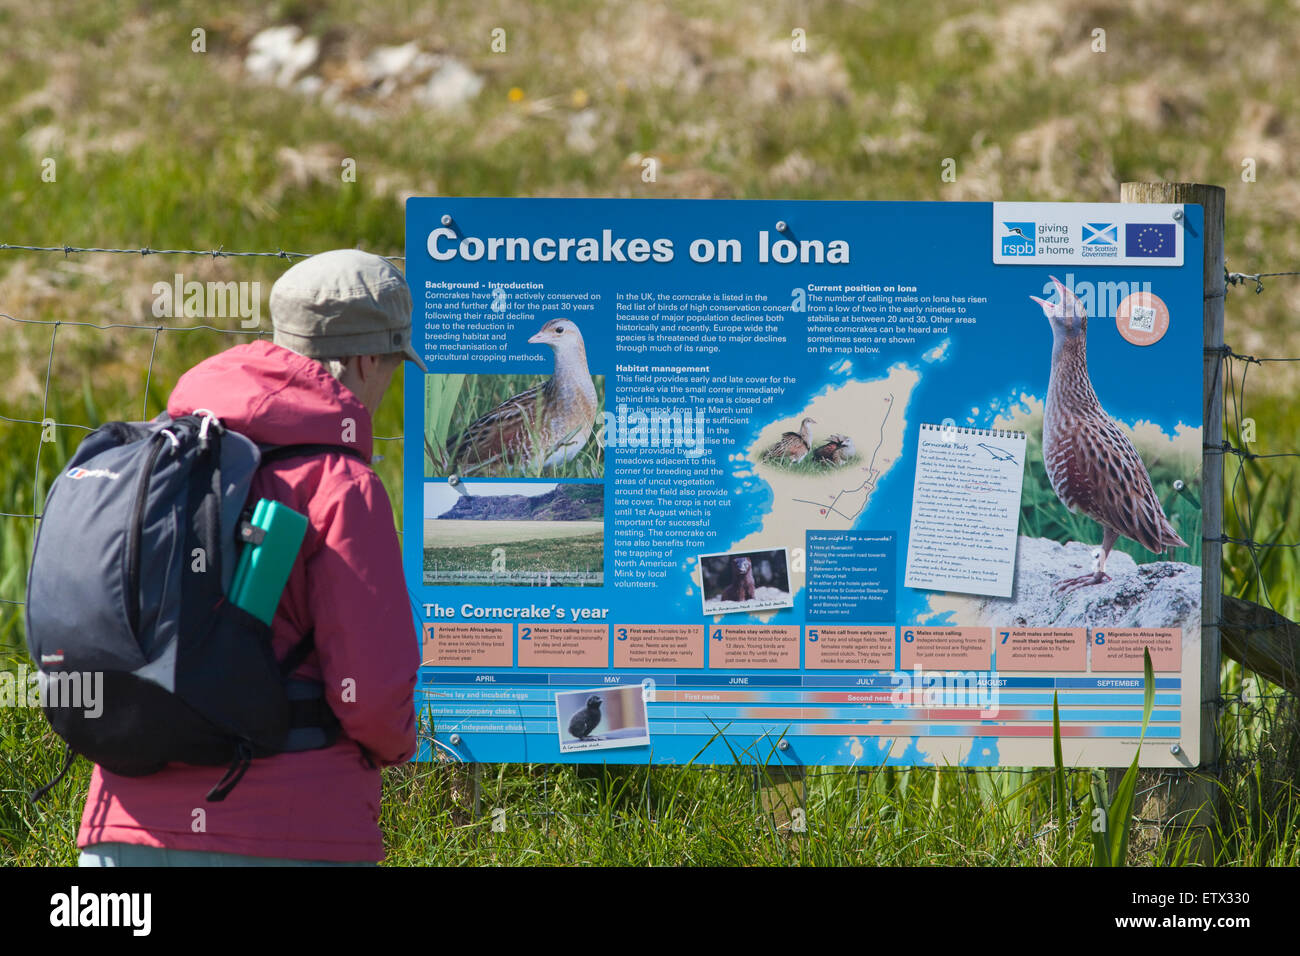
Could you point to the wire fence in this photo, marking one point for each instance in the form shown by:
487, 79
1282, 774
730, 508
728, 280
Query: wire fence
1251, 711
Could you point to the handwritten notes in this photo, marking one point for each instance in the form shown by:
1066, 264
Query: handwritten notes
965, 510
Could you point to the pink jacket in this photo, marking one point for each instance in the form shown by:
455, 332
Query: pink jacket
348, 583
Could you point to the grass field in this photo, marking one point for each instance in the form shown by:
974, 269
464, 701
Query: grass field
445, 533
530, 553
156, 144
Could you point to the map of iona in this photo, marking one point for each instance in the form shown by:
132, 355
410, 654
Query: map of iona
824, 463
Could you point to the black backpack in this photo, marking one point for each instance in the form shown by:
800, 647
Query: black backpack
143, 660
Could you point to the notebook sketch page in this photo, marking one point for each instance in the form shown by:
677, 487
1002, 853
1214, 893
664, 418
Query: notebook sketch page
965, 510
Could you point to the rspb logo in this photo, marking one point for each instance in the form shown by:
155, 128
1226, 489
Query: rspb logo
1019, 239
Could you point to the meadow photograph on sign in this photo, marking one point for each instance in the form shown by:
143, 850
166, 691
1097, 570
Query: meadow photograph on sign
523, 533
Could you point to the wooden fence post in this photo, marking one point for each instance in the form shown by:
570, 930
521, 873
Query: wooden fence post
1189, 801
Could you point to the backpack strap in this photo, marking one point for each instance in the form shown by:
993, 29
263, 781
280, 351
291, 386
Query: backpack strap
238, 767
273, 453
298, 653
312, 724
67, 765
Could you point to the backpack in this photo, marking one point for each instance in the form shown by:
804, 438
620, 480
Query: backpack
143, 661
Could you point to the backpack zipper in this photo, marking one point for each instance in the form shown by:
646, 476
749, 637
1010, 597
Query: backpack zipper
136, 529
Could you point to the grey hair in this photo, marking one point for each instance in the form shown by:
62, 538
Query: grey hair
334, 366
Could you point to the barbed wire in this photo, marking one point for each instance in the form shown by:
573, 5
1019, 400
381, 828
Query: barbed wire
218, 253
1238, 278
1257, 704
55, 324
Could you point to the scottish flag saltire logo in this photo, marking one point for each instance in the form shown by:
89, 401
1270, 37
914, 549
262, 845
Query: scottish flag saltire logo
1149, 240
1018, 239
1100, 234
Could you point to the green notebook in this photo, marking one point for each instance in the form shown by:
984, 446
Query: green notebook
263, 568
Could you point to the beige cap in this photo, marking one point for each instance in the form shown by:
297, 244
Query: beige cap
341, 303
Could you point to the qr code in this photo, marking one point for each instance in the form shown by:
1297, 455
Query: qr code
1142, 319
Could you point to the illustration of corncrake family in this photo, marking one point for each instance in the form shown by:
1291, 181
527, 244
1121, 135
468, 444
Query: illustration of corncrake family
792, 448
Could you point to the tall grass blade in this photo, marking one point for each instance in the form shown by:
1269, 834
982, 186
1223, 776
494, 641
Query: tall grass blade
1058, 777
1119, 817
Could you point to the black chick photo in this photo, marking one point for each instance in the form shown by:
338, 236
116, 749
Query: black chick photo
618, 710
586, 720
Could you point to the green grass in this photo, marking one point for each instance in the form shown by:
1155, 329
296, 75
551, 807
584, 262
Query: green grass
809, 465
30, 756
524, 562
441, 534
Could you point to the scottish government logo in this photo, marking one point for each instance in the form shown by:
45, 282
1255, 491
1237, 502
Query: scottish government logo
1019, 240
1100, 240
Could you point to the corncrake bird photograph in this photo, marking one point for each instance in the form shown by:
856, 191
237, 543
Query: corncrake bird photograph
1093, 467
584, 722
806, 451
499, 429
792, 447
836, 452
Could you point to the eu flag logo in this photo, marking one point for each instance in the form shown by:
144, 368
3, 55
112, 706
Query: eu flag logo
1146, 240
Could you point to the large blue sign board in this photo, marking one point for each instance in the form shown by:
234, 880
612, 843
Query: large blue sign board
840, 483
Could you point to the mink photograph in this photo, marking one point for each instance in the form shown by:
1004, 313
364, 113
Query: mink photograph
746, 581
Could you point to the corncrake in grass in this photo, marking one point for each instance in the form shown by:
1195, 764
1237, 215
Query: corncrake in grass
452, 407
1043, 516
